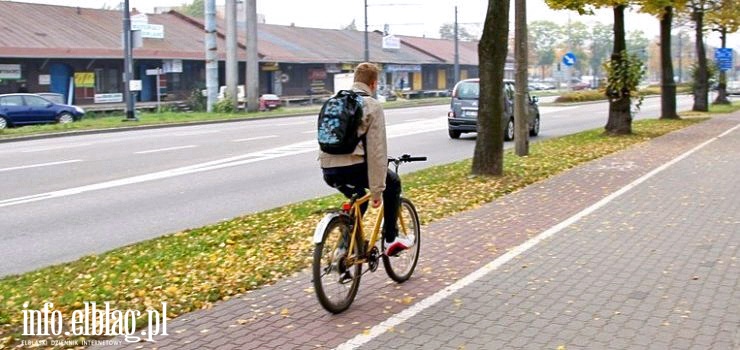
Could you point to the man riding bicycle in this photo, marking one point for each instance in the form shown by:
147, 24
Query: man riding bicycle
367, 165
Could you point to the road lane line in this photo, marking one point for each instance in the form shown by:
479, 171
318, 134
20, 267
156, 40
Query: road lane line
165, 149
195, 133
54, 148
255, 138
40, 165
309, 132
435, 298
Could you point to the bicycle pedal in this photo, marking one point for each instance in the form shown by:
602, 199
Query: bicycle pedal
345, 278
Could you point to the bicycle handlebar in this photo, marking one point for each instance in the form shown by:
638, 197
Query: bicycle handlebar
406, 158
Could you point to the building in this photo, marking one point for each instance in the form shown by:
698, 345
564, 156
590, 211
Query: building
78, 52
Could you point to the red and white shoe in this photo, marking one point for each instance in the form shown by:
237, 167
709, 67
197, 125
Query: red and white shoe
398, 245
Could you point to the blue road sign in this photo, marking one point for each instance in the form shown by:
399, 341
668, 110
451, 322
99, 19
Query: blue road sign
723, 56
569, 59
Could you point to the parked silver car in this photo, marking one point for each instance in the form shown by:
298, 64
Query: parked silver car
463, 114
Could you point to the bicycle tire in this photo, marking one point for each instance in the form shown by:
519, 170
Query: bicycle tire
324, 274
394, 266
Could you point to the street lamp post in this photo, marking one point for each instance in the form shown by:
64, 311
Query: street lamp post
128, 63
367, 47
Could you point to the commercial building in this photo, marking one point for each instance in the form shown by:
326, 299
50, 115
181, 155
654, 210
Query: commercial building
78, 52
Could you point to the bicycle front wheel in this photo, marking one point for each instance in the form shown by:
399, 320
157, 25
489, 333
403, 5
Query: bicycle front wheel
335, 282
400, 267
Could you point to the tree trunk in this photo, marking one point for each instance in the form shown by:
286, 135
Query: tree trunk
620, 115
521, 119
668, 85
722, 88
488, 158
701, 80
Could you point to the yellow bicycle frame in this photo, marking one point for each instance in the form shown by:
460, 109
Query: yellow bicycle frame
357, 230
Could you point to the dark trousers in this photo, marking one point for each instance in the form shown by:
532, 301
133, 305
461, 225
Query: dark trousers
351, 180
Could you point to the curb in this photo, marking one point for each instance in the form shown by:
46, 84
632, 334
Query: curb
170, 125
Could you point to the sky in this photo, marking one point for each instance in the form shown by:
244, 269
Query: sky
406, 17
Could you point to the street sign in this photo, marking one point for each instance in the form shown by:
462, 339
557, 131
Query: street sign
569, 59
156, 71
135, 85
723, 56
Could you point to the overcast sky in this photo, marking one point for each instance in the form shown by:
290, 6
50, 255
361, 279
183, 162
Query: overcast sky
410, 17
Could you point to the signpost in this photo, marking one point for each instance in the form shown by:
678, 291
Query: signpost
569, 59
723, 56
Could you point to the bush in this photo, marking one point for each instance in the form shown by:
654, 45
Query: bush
224, 105
581, 96
197, 102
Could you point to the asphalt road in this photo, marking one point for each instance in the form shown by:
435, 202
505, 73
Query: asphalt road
63, 198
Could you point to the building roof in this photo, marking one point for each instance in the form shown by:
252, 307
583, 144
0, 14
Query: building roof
71, 32
50, 31
445, 48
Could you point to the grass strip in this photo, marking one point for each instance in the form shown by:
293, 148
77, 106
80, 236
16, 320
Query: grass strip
97, 121
194, 268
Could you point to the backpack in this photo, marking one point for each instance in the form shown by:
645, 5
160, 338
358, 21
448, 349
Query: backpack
338, 121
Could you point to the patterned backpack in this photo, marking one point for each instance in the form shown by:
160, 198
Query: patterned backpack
338, 121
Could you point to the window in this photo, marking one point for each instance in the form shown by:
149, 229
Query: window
11, 101
106, 81
468, 91
35, 101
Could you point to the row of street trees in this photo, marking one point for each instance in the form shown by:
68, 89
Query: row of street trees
624, 68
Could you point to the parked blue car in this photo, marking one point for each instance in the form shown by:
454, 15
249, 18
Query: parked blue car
21, 109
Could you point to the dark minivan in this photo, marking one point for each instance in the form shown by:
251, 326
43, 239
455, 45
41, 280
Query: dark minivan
463, 114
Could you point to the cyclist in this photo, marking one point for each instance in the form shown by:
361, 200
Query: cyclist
367, 166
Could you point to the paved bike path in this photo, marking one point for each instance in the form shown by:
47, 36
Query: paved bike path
573, 271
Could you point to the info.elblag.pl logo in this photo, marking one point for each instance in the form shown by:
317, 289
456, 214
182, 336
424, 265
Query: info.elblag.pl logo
93, 320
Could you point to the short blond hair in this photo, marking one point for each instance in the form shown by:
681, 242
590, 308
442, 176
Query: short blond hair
366, 73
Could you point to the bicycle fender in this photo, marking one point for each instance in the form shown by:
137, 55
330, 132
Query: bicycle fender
318, 234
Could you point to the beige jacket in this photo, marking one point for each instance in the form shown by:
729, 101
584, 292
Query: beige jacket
373, 125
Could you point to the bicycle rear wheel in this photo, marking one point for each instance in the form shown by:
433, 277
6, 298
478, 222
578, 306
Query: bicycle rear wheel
335, 283
400, 267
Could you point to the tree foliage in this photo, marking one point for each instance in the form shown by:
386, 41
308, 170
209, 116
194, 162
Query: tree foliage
447, 31
601, 46
194, 9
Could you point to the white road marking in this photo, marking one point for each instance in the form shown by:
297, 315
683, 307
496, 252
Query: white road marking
54, 148
40, 165
194, 133
406, 314
165, 149
399, 130
255, 138
309, 132
290, 123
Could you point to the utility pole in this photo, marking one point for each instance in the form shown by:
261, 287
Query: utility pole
128, 63
521, 119
367, 45
680, 57
211, 54
252, 82
232, 63
457, 51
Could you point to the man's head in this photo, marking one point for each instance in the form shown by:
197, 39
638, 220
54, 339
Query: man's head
367, 73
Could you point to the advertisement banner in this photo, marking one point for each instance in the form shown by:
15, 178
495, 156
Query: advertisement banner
85, 79
10, 71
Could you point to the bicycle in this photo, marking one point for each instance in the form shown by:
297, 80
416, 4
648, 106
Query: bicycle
341, 248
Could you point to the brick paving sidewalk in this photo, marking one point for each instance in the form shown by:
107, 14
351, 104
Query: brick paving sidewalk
287, 315
656, 268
